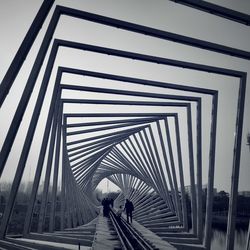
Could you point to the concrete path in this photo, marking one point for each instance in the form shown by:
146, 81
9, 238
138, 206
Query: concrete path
156, 241
105, 238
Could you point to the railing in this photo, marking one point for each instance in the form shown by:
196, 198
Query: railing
129, 237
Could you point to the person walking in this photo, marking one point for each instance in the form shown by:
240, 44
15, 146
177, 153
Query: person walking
129, 208
106, 208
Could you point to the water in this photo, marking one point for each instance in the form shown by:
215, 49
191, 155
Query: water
219, 239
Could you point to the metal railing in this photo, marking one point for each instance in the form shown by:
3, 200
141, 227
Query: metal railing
129, 237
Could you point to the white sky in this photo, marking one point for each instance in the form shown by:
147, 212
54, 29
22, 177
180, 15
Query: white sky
17, 15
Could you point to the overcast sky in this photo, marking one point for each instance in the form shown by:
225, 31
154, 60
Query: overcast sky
17, 15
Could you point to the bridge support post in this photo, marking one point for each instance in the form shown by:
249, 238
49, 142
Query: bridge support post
232, 212
179, 154
191, 167
199, 170
56, 169
63, 187
172, 165
161, 174
43, 208
29, 137
24, 49
42, 155
210, 186
16, 121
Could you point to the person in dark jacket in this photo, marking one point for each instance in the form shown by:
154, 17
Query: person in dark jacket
105, 204
129, 208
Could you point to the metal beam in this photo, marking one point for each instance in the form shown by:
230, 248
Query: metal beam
24, 49
217, 10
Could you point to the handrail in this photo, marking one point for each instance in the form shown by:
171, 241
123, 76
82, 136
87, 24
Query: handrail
126, 245
131, 239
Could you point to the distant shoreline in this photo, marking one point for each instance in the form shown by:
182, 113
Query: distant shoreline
220, 222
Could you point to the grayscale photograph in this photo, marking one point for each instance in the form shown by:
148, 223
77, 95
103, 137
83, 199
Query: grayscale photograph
125, 124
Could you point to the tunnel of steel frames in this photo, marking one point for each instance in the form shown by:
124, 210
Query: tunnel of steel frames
130, 156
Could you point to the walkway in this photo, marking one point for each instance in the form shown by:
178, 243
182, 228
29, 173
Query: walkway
107, 239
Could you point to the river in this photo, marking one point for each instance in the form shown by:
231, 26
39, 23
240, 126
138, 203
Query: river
219, 239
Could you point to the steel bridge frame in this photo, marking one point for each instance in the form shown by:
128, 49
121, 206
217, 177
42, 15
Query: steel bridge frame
60, 10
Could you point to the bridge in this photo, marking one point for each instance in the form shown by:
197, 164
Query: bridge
144, 134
